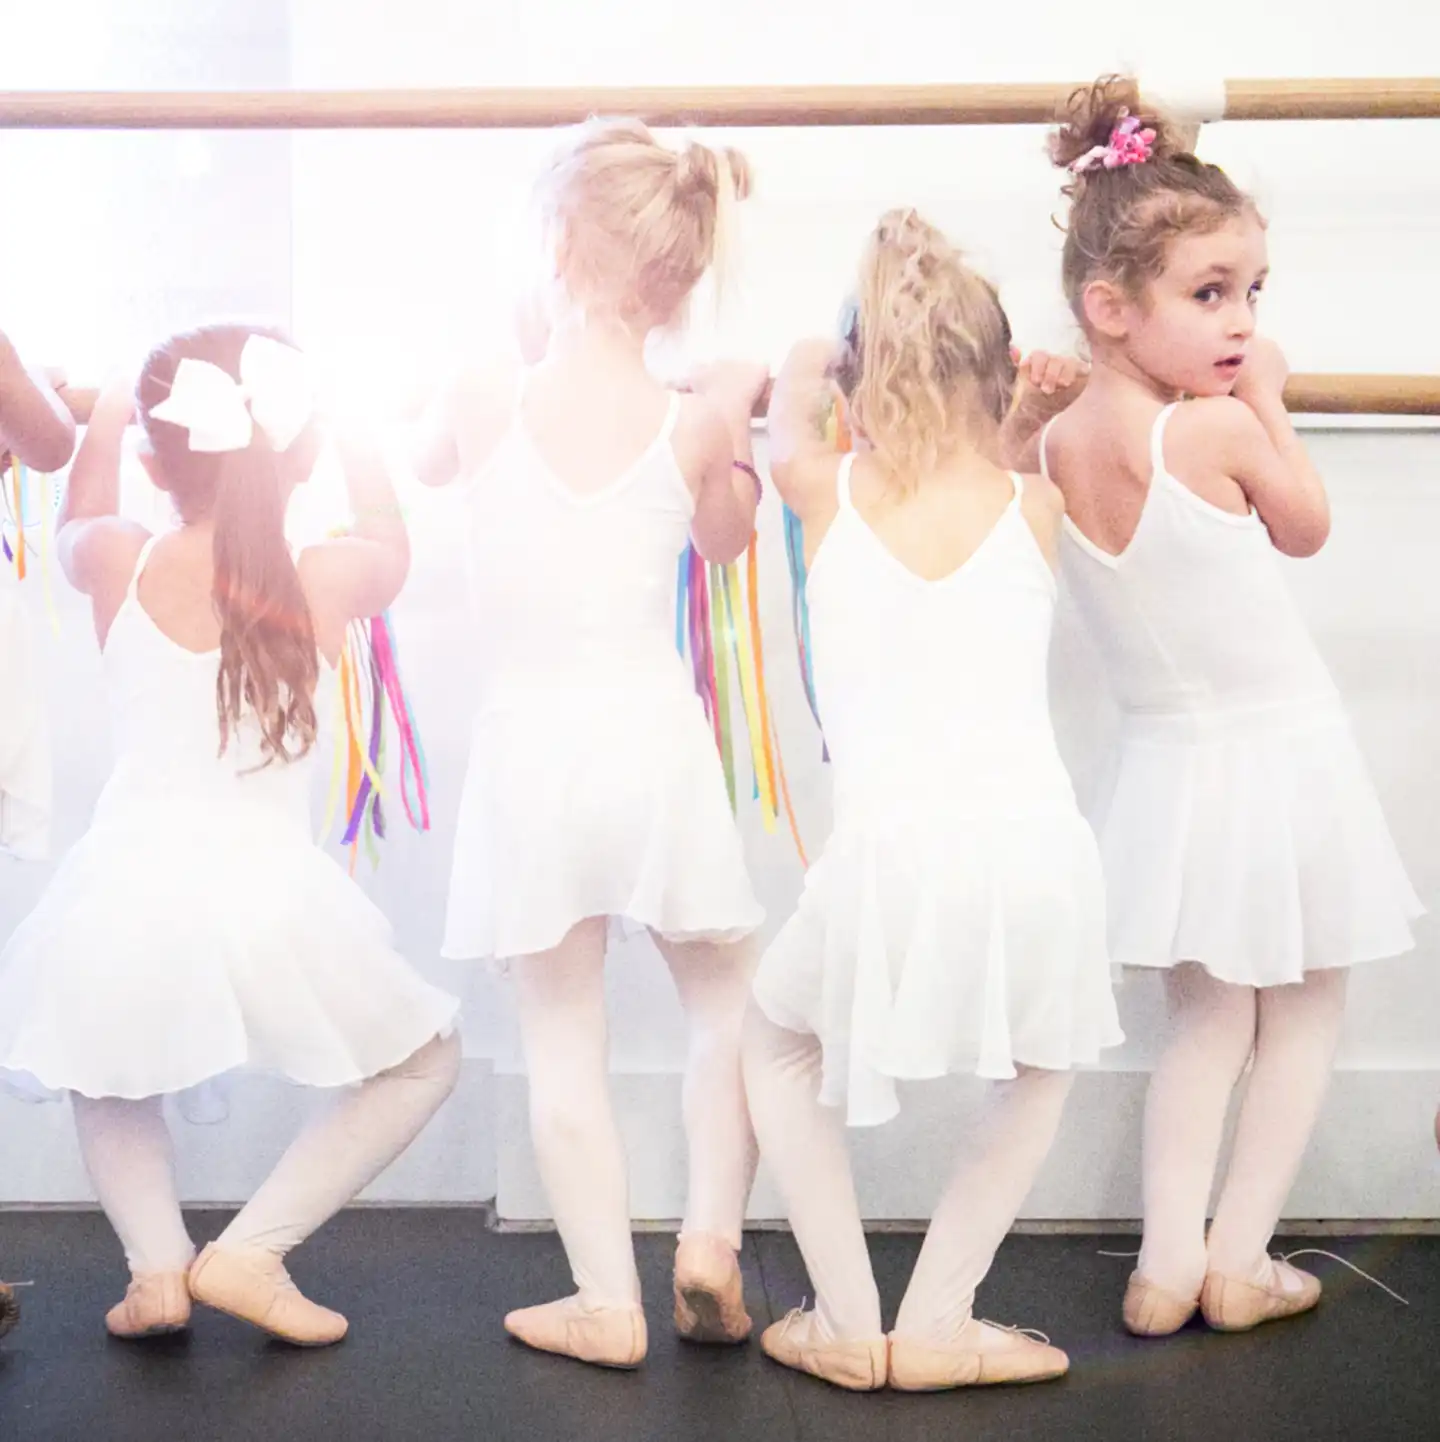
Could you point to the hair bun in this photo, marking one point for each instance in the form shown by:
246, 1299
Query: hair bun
1092, 113
698, 171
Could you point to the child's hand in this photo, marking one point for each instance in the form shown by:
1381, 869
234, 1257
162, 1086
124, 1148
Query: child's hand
115, 405
1045, 384
735, 386
1263, 376
1050, 374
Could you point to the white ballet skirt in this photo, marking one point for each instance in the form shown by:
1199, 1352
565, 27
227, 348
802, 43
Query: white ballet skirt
955, 921
196, 928
594, 786
1240, 829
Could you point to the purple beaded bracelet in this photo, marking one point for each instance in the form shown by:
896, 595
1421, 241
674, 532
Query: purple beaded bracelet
754, 476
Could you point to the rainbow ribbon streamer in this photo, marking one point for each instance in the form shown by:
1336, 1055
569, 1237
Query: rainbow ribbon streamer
717, 619
373, 699
837, 431
20, 487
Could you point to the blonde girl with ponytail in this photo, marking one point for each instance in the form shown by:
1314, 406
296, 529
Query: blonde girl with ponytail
595, 792
955, 921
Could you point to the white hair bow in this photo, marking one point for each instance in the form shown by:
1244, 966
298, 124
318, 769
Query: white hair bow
274, 392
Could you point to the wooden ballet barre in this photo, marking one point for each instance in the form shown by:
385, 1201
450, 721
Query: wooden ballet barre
533, 107
1336, 395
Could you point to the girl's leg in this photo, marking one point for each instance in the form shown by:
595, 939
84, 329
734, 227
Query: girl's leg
804, 1145
1294, 1051
994, 1175
328, 1164
714, 986
561, 997
342, 1151
131, 1160
128, 1152
1212, 1035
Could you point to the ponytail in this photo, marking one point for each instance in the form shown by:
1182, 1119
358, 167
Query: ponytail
269, 666
268, 661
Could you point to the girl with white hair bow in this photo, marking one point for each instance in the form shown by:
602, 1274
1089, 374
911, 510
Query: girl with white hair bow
196, 927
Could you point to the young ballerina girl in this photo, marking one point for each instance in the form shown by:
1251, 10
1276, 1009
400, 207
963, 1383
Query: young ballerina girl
955, 922
595, 789
1244, 847
196, 927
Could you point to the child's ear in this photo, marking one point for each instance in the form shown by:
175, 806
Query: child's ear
1107, 308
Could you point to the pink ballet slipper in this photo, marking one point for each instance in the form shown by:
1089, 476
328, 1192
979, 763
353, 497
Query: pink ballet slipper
984, 1355
604, 1336
709, 1292
258, 1290
857, 1365
155, 1303
1152, 1311
1236, 1304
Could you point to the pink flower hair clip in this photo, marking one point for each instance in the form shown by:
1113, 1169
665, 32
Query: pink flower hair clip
1129, 145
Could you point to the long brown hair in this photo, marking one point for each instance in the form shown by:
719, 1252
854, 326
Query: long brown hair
269, 665
1122, 220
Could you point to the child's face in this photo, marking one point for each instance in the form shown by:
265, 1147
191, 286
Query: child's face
1192, 328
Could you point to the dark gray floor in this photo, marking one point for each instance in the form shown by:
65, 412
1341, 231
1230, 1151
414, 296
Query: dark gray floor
426, 1357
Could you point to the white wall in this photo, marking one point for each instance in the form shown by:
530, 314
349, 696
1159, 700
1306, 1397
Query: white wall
403, 259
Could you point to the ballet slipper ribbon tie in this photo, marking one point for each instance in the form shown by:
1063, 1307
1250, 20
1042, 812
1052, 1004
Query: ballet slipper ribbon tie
274, 392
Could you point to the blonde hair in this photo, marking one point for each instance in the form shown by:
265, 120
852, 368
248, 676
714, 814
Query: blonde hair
930, 339
635, 225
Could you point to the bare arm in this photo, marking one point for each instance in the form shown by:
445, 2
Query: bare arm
803, 460
728, 496
35, 424
1254, 442
1259, 448
361, 573
1045, 385
435, 445
1044, 506
96, 548
463, 424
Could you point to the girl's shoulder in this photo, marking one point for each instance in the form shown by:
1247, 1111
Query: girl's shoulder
481, 402
1042, 504
1207, 429
1040, 496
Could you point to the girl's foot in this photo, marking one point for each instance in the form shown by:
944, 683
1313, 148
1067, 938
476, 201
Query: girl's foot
155, 1303
856, 1365
709, 1293
984, 1354
257, 1289
9, 1309
1152, 1311
605, 1336
1236, 1304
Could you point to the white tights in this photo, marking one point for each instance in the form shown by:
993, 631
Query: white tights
130, 1158
561, 1001
804, 1145
1291, 1032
